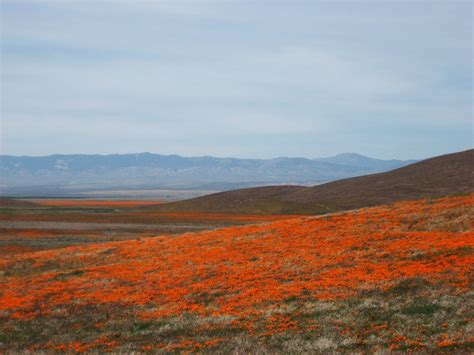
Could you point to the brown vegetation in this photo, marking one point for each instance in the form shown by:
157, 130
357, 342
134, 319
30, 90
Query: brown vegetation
94, 203
10, 202
441, 176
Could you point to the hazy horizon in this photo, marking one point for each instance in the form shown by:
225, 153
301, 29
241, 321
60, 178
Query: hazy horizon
234, 157
389, 80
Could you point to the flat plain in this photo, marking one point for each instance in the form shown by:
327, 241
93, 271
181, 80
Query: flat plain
31, 225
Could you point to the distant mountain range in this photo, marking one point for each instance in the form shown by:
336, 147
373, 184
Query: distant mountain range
440, 176
146, 171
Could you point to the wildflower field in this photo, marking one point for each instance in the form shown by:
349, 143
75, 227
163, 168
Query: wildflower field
394, 277
46, 224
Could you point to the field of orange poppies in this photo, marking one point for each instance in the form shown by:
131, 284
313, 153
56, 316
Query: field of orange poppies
395, 277
55, 223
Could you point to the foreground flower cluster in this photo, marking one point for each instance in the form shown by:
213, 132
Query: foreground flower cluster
390, 277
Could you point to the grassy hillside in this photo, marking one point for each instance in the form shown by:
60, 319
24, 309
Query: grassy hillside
394, 277
441, 176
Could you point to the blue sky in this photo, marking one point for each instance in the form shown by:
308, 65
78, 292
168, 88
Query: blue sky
388, 79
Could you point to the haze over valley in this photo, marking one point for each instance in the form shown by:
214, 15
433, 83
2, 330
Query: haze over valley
149, 175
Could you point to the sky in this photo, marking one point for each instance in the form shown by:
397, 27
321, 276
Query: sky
253, 79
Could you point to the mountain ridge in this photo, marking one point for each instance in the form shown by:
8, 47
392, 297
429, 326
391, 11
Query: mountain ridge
439, 176
142, 169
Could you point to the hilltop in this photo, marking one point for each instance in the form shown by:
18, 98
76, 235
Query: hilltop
440, 176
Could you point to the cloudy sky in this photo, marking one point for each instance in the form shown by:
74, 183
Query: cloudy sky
388, 79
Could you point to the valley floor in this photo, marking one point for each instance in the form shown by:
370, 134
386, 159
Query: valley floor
34, 225
394, 277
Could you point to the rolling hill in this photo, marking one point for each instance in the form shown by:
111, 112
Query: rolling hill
440, 176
